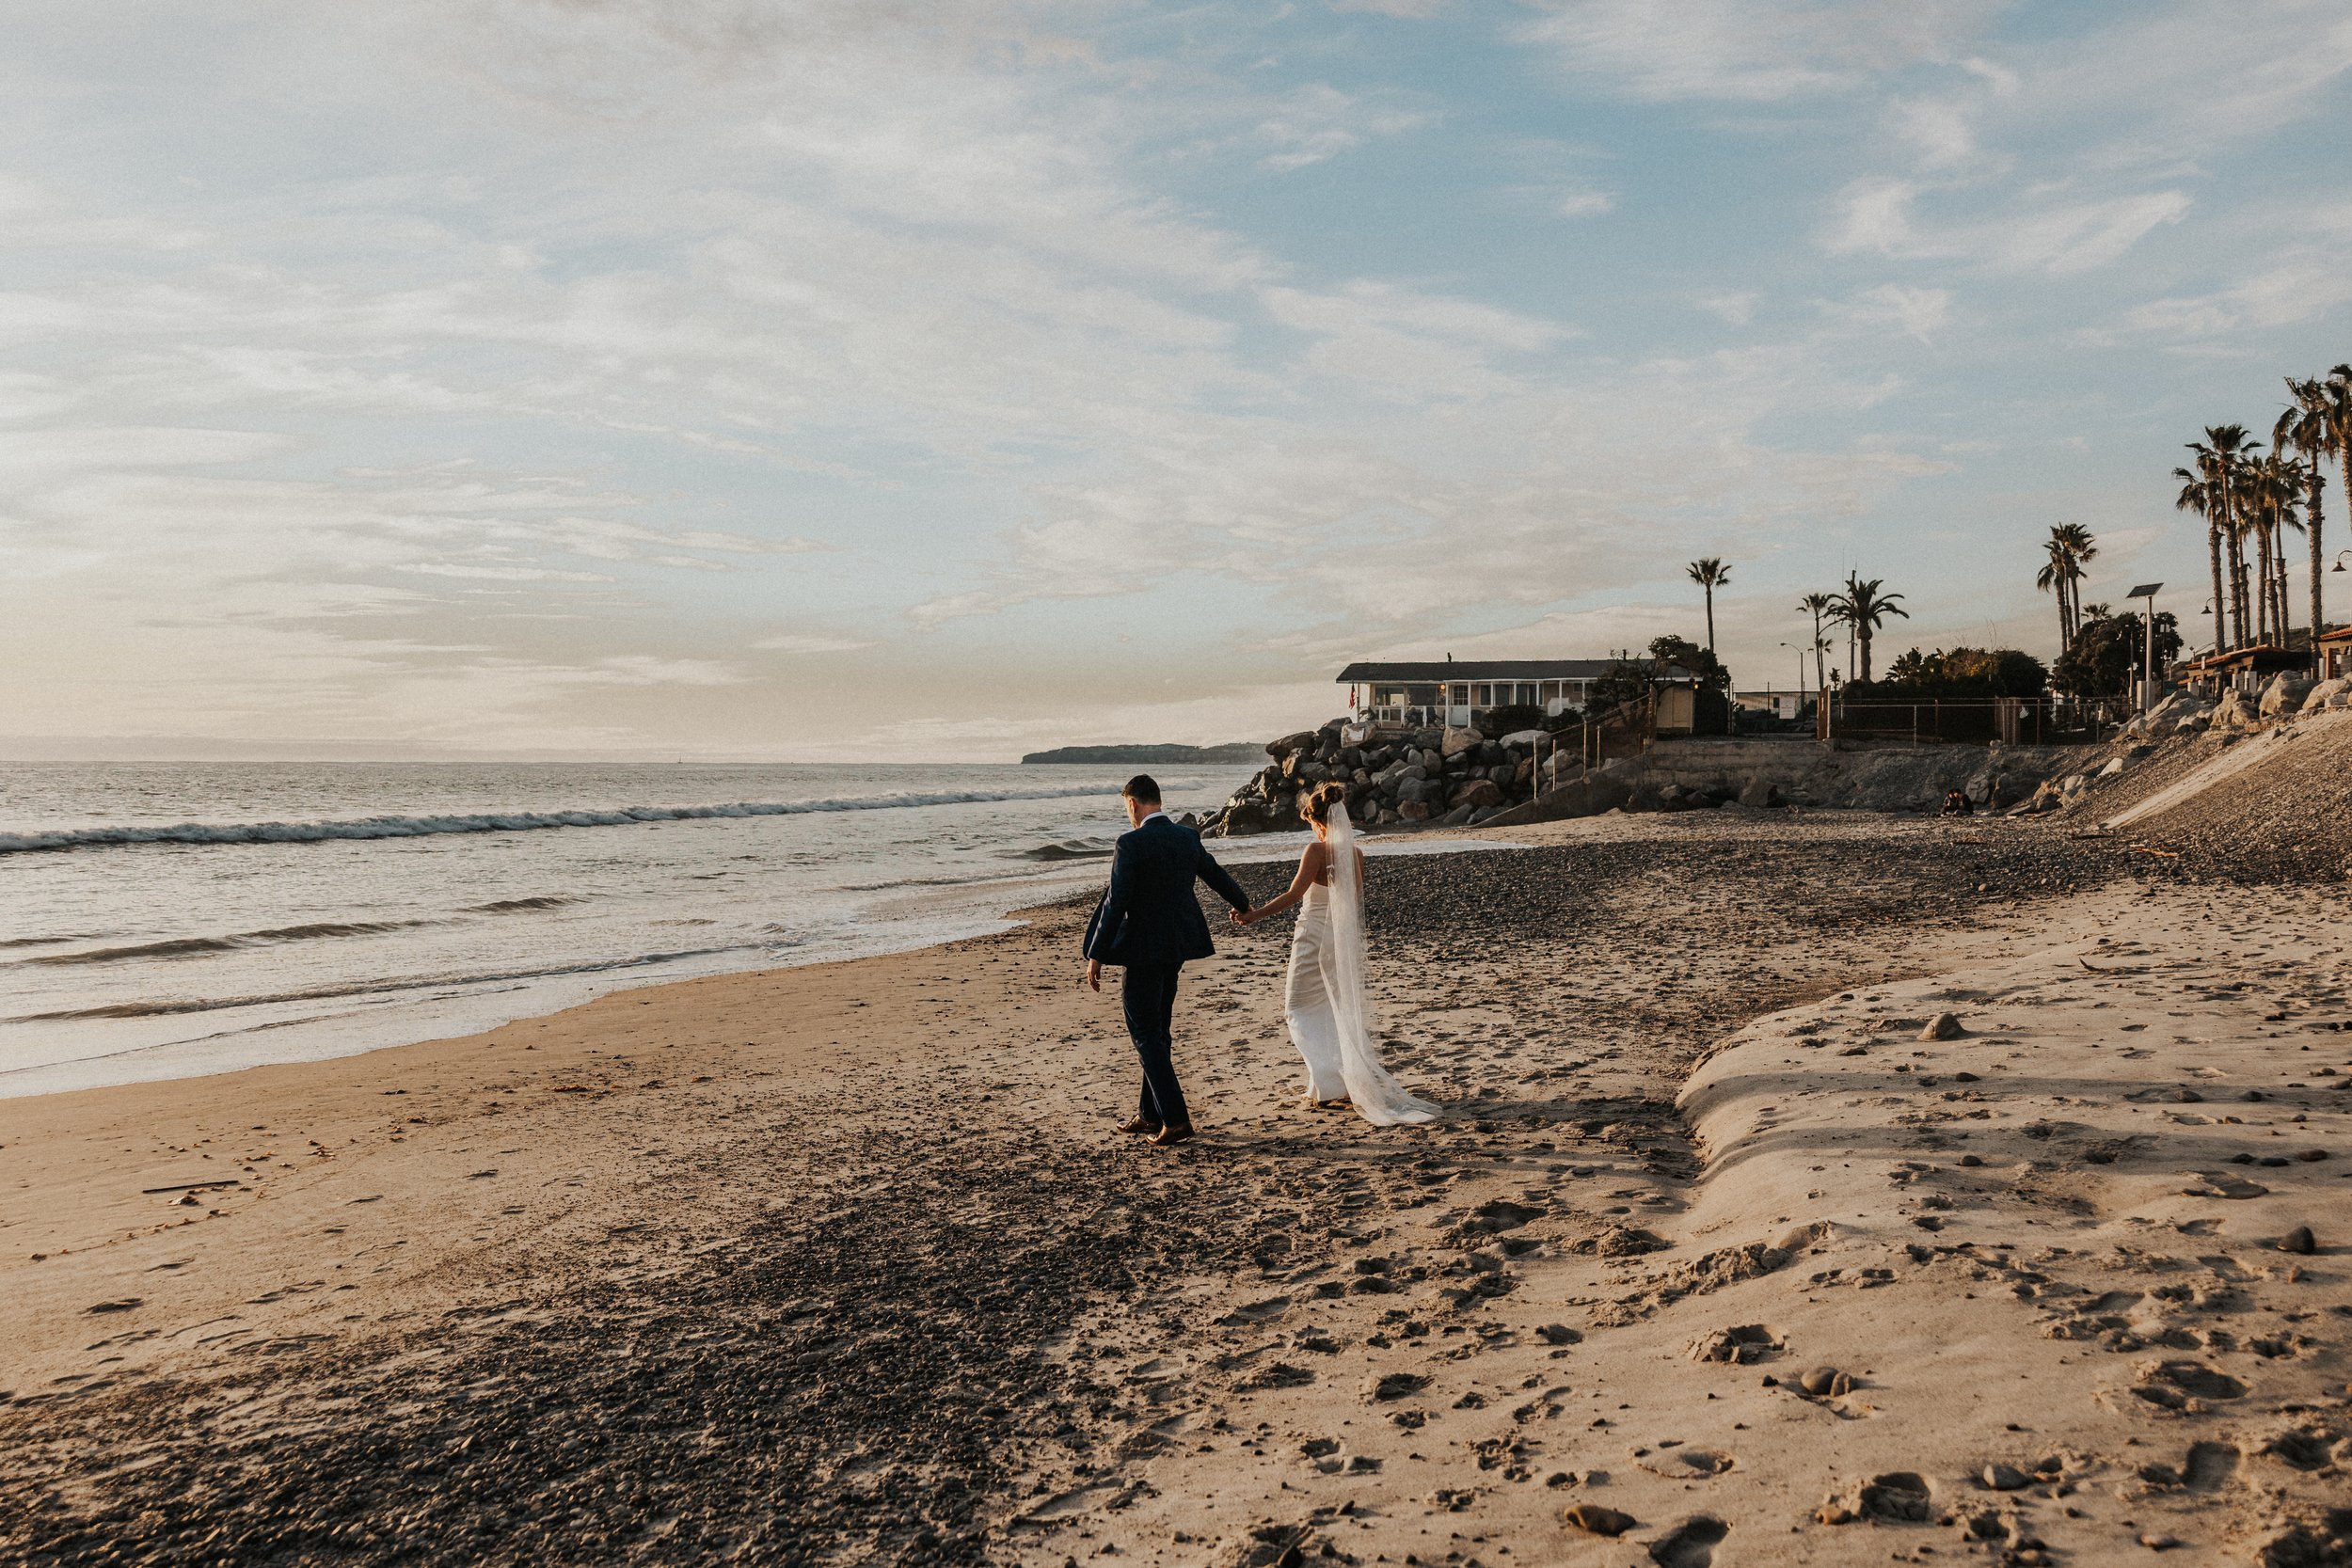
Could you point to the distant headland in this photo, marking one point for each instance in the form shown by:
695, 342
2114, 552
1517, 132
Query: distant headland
1239, 751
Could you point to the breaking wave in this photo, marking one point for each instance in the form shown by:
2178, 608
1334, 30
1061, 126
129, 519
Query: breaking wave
166, 1006
181, 947
1066, 849
500, 822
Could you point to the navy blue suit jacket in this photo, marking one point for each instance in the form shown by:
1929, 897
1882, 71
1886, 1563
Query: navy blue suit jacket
1149, 915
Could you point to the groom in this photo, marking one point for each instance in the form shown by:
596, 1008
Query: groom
1150, 922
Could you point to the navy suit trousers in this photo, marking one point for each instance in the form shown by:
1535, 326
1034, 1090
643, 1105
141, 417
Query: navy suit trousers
1148, 996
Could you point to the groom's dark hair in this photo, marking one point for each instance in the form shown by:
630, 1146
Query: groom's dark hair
1144, 787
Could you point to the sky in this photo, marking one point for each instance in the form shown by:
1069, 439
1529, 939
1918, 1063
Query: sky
858, 380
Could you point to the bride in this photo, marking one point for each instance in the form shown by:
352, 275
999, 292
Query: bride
1324, 1003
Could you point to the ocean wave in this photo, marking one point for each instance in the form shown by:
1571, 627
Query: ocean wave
516, 906
1067, 850
165, 1007
181, 947
500, 822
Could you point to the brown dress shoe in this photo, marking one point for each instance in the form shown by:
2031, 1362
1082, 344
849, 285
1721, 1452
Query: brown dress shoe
1173, 1135
1139, 1125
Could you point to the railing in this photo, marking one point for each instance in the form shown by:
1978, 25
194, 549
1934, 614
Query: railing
1975, 722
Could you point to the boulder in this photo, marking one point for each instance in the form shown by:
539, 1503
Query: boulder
1457, 741
1290, 743
1412, 811
2234, 712
1456, 817
1478, 792
2284, 694
1246, 817
2336, 692
1524, 739
1760, 792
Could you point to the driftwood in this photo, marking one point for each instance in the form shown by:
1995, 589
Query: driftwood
197, 1186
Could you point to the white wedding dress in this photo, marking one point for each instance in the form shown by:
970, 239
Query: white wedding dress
1326, 1003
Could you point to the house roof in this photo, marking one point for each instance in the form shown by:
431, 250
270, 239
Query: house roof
1483, 670
2257, 656
2339, 635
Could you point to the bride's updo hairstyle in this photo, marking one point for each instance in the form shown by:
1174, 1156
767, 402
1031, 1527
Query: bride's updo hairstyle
1315, 805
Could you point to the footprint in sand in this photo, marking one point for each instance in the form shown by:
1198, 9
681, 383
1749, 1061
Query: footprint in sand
1686, 1463
1692, 1544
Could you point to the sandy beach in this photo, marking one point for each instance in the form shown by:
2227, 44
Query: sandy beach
1727, 1251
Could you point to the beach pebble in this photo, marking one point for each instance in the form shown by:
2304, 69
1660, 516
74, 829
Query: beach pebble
2005, 1478
1826, 1382
1943, 1026
2155, 1543
2299, 1240
1596, 1519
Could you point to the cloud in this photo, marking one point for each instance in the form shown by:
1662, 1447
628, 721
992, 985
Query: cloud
1876, 214
1749, 50
794, 642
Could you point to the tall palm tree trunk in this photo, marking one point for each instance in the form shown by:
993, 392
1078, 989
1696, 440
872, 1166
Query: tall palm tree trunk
2265, 603
2238, 607
1710, 618
2066, 619
2220, 605
2310, 527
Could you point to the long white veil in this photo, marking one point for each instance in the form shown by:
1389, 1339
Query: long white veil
1379, 1097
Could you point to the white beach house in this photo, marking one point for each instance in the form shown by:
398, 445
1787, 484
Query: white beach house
1451, 693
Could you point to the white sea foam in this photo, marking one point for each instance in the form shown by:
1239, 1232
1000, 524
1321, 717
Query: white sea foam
496, 822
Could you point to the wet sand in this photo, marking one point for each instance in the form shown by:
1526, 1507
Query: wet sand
848, 1264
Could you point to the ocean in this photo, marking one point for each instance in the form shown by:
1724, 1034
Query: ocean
164, 920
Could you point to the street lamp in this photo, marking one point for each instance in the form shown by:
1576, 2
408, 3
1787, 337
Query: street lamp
2148, 625
1799, 653
2339, 566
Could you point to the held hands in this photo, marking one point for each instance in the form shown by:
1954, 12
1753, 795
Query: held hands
1245, 918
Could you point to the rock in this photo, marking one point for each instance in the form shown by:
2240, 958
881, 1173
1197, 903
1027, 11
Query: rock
1246, 818
1943, 1026
1412, 811
1524, 739
1596, 1519
1826, 1383
2299, 1240
1288, 743
2284, 695
1478, 792
1760, 792
2005, 1478
1458, 817
2115, 765
2233, 712
2335, 692
1458, 741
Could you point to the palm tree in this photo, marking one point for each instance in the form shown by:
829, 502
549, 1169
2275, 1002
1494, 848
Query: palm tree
2082, 547
1818, 605
2052, 579
1710, 573
2318, 425
1864, 609
2217, 459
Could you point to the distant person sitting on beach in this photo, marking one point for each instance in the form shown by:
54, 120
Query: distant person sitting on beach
1324, 1002
1956, 804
